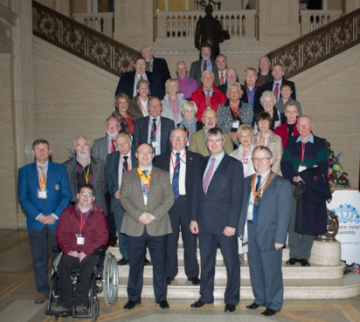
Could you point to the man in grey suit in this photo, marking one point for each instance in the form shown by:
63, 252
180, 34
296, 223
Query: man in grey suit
205, 63
107, 144
266, 212
86, 170
146, 223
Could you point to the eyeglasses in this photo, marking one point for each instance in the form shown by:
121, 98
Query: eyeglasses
143, 152
260, 159
178, 137
85, 194
230, 74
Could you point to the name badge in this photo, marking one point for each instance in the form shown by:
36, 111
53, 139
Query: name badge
80, 239
302, 167
42, 194
235, 124
250, 210
155, 144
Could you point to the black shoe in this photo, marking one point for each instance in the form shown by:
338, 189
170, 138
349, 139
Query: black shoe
230, 308
269, 312
130, 305
169, 280
291, 261
122, 262
147, 262
198, 303
304, 262
164, 305
58, 309
253, 306
194, 280
81, 310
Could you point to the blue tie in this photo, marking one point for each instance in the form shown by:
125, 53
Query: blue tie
175, 181
256, 207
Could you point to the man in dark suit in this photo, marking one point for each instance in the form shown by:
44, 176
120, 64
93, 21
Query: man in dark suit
205, 63
266, 212
154, 129
86, 170
216, 204
275, 86
181, 164
251, 92
128, 81
146, 223
124, 160
158, 66
44, 192
231, 77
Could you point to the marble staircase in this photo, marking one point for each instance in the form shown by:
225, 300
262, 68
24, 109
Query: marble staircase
314, 282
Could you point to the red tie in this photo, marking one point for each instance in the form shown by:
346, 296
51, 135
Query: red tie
208, 176
208, 104
222, 78
276, 91
113, 146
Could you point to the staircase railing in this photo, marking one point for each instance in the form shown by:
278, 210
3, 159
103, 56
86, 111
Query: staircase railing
319, 45
82, 41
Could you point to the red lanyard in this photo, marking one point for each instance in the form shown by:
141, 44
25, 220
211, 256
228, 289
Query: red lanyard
152, 130
250, 97
82, 222
172, 162
129, 162
234, 113
145, 113
302, 152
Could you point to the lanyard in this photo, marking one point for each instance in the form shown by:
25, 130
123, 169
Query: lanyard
250, 97
143, 179
82, 222
302, 152
145, 113
234, 113
86, 175
152, 130
172, 162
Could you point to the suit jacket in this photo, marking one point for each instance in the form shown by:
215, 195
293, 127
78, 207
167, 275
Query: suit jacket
163, 162
112, 172
161, 69
141, 129
100, 148
58, 193
195, 71
160, 200
98, 172
258, 108
269, 87
126, 85
221, 205
198, 143
274, 213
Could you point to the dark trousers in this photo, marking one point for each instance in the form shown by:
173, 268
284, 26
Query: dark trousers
136, 250
265, 273
110, 218
81, 294
122, 240
178, 218
208, 244
40, 240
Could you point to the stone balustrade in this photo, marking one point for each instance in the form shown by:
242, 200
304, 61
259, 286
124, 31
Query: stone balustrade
311, 20
101, 21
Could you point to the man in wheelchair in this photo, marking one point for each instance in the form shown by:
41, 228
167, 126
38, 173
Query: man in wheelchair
82, 229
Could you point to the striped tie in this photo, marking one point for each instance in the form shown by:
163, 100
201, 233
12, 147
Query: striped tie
175, 181
208, 175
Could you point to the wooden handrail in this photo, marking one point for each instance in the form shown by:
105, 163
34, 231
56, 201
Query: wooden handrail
82, 41
319, 45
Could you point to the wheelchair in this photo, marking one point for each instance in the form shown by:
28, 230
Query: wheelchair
105, 278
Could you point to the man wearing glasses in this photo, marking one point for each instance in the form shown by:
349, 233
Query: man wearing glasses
267, 212
146, 196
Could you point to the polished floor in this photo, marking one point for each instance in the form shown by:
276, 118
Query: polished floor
17, 293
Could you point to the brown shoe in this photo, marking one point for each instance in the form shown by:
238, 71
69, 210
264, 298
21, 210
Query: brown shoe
40, 298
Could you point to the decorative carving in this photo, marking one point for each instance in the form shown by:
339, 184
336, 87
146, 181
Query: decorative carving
82, 41
341, 35
314, 48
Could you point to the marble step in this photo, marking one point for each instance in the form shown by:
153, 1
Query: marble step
295, 272
345, 287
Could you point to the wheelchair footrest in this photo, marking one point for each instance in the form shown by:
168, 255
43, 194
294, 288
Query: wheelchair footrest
63, 314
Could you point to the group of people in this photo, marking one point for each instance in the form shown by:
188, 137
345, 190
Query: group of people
211, 158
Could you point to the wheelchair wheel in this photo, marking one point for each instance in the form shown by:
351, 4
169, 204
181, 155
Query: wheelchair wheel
95, 310
110, 279
55, 317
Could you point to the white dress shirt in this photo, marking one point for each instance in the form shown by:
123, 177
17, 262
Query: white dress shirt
182, 188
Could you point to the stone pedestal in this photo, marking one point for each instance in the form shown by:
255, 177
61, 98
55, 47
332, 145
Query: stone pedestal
325, 253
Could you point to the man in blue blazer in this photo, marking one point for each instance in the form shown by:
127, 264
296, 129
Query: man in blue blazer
216, 205
44, 192
128, 81
267, 213
154, 129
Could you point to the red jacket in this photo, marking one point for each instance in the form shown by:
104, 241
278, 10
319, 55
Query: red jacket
199, 98
282, 131
95, 230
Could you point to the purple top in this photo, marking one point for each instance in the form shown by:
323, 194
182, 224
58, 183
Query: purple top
187, 86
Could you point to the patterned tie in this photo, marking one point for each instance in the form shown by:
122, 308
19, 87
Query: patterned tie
113, 146
205, 65
208, 97
125, 163
208, 175
175, 181
153, 132
145, 172
222, 78
276, 91
42, 178
256, 207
